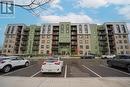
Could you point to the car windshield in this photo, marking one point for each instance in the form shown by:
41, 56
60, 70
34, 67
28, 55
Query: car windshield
122, 57
3, 59
51, 59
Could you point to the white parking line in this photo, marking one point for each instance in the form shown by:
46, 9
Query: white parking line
65, 71
115, 70
35, 74
92, 71
17, 70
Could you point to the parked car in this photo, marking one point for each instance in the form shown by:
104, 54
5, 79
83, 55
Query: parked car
122, 61
52, 65
7, 63
87, 57
107, 56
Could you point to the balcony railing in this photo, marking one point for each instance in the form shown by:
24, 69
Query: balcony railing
103, 39
55, 33
55, 28
73, 33
102, 33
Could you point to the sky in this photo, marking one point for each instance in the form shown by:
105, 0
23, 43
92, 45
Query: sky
75, 11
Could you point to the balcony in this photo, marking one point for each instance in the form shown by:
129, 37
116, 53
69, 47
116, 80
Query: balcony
103, 39
55, 29
110, 33
26, 30
73, 29
37, 34
25, 34
54, 38
24, 39
111, 39
102, 33
36, 39
35, 49
18, 38
103, 44
36, 44
56, 33
73, 38
23, 48
17, 43
54, 43
54, 47
73, 33
37, 30
23, 44
73, 43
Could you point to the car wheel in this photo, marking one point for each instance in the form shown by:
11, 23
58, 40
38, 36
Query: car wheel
27, 64
128, 67
6, 68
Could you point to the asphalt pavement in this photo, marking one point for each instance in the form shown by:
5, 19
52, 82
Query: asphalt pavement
72, 68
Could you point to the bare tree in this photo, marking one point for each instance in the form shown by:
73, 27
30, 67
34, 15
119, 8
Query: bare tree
33, 6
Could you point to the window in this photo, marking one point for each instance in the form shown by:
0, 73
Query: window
8, 51
123, 28
81, 52
125, 41
42, 46
48, 41
86, 28
118, 28
62, 28
9, 46
86, 41
43, 36
119, 36
43, 41
81, 46
124, 36
80, 36
120, 41
121, 47
48, 36
12, 29
8, 29
47, 46
126, 47
81, 42
67, 28
80, 28
49, 29
43, 30
87, 47
86, 36
5, 46
122, 52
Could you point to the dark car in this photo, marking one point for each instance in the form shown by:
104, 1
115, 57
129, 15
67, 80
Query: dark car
87, 57
122, 61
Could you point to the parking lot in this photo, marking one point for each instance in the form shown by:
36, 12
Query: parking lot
71, 68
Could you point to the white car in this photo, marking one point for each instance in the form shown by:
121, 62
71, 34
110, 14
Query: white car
52, 65
7, 63
108, 56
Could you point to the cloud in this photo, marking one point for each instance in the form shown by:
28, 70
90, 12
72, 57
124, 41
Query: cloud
119, 2
56, 4
125, 11
100, 3
91, 3
70, 17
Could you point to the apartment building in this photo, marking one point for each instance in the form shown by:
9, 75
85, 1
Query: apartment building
66, 38
113, 38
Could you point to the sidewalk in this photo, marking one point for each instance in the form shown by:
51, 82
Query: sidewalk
64, 82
